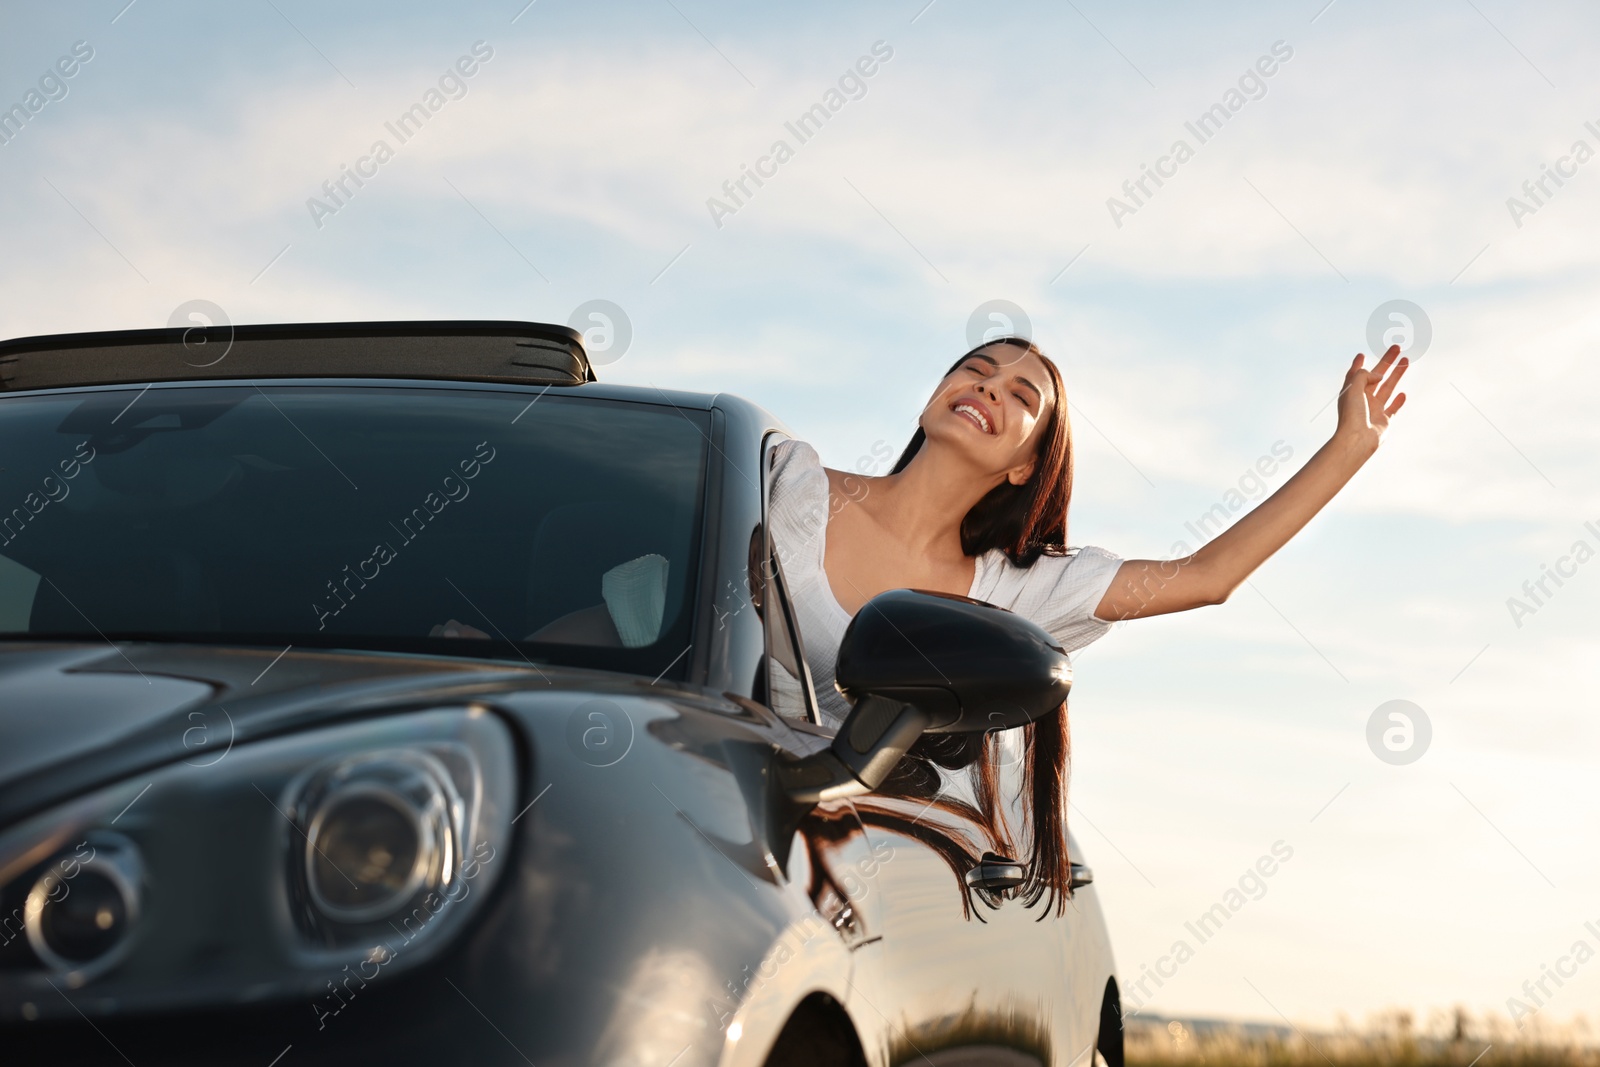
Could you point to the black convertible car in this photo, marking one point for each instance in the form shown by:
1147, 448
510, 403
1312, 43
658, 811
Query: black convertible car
260, 805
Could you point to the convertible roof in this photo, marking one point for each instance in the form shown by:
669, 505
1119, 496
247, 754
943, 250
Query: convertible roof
485, 351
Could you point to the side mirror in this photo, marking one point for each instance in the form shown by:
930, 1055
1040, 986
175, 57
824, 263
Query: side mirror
916, 662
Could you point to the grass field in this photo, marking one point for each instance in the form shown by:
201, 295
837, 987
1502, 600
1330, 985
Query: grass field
1448, 1040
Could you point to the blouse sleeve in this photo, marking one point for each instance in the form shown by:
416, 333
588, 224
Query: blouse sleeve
798, 506
1063, 591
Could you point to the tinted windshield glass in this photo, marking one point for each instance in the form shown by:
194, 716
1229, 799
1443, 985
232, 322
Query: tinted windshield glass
355, 516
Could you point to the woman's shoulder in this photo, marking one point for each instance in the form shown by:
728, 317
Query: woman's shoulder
792, 455
1086, 570
1051, 566
797, 473
1083, 557
797, 503
801, 483
1060, 591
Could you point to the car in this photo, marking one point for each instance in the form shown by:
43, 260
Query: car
261, 804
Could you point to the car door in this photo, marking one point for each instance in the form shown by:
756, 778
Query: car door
943, 972
955, 968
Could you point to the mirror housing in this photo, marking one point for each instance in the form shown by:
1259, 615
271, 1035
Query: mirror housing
969, 665
915, 662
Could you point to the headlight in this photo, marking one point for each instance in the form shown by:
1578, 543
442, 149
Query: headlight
370, 848
79, 915
380, 831
262, 875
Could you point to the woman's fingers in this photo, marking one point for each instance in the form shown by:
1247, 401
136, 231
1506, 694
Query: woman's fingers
1377, 383
1382, 395
1356, 377
1383, 365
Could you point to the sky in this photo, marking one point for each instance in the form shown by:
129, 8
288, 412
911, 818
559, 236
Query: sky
1203, 326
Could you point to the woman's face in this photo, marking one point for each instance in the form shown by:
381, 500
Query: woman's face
993, 407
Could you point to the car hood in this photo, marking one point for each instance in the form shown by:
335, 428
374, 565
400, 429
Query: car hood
74, 716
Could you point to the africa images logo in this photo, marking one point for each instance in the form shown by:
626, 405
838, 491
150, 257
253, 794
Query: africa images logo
409, 123
1252, 85
52, 87
851, 85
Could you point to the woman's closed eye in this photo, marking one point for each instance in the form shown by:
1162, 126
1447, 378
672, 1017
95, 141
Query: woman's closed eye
983, 370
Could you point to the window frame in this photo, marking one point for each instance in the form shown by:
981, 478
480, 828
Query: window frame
774, 582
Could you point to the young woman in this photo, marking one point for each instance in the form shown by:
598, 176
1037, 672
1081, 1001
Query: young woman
977, 505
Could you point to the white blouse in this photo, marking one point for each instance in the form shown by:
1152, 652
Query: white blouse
1059, 593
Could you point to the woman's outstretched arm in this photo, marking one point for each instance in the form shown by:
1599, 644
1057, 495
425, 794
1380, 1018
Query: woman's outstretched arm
1158, 587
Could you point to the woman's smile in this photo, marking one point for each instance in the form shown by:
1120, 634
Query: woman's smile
976, 412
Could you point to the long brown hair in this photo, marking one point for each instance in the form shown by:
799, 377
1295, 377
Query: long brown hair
1025, 522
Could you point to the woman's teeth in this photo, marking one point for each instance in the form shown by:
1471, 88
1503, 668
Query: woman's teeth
974, 414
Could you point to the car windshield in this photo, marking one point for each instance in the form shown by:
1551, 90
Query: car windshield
401, 518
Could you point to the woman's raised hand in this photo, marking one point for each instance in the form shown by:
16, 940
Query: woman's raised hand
1364, 405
